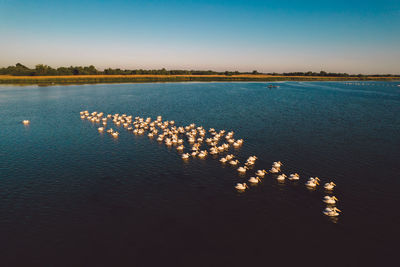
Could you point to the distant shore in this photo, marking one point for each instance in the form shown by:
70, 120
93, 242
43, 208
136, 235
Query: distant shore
92, 79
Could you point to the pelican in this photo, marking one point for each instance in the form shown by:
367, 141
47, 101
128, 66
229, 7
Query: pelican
254, 180
115, 134
202, 154
330, 200
242, 169
185, 156
277, 164
331, 212
281, 177
261, 173
110, 130
168, 143
26, 122
230, 156
329, 186
233, 162
294, 177
100, 129
240, 186
223, 160
274, 170
312, 182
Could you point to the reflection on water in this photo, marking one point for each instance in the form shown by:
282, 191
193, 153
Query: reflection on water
69, 192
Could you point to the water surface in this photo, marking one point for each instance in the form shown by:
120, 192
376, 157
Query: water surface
71, 196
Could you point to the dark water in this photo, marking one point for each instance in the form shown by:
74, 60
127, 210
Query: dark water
70, 196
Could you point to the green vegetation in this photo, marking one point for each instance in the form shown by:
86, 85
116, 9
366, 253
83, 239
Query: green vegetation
46, 75
44, 70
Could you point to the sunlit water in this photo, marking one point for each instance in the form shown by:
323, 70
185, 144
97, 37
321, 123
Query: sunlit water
71, 196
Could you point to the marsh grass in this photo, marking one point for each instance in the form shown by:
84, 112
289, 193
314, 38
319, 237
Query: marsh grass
83, 79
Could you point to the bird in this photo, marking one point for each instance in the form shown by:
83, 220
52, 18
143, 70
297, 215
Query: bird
261, 173
26, 122
223, 160
242, 169
233, 162
277, 164
274, 170
330, 200
331, 212
294, 177
254, 180
329, 186
240, 186
312, 182
281, 177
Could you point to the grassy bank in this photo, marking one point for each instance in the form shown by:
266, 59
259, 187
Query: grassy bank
85, 79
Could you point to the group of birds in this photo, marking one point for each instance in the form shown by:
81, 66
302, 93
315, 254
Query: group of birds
173, 136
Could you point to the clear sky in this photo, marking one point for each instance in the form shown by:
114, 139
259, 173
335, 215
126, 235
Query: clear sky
268, 36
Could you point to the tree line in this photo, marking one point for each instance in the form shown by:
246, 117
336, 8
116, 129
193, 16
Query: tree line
45, 70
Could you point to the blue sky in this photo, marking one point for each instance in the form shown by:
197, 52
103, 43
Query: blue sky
270, 36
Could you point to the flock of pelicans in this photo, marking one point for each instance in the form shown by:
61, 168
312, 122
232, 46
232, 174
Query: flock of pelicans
171, 135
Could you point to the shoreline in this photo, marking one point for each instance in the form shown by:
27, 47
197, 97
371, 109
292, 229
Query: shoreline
106, 79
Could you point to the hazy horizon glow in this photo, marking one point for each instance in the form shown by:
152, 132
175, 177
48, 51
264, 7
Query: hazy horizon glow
268, 36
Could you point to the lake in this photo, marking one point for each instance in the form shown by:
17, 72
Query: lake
70, 196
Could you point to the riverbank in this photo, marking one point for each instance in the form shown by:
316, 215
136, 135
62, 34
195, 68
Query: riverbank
91, 79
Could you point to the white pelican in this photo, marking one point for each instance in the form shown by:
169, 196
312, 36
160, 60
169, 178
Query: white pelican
274, 170
233, 162
185, 156
180, 148
277, 164
254, 180
223, 160
100, 129
330, 200
26, 122
281, 177
294, 177
202, 154
329, 186
332, 212
230, 156
242, 169
240, 186
115, 134
261, 173
312, 182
